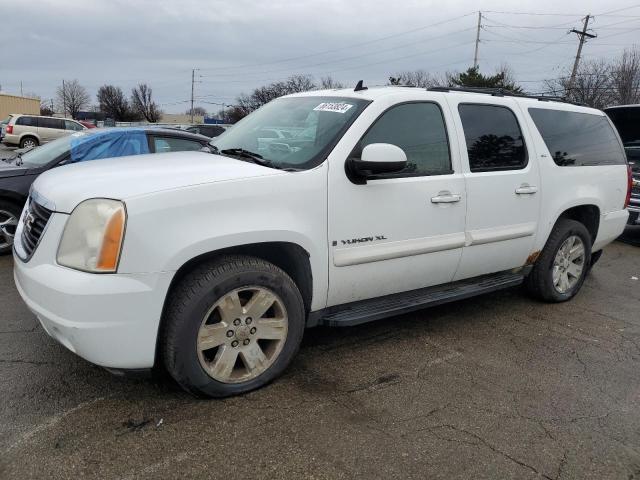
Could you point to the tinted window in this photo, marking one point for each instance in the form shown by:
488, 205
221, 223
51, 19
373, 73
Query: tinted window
56, 123
69, 125
627, 122
494, 139
419, 130
214, 131
170, 144
578, 139
27, 121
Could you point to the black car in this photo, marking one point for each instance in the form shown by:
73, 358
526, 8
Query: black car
17, 174
210, 131
626, 118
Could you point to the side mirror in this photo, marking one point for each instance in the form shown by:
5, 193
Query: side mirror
378, 158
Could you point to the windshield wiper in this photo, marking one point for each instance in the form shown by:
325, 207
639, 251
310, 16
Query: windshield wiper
253, 157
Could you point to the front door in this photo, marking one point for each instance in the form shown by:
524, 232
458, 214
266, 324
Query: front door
503, 186
402, 231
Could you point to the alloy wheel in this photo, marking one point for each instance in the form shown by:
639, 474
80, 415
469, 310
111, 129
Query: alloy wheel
242, 334
8, 224
568, 264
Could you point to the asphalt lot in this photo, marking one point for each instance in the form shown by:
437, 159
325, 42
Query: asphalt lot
494, 387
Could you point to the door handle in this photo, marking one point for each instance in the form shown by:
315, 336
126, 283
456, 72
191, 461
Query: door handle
446, 197
526, 189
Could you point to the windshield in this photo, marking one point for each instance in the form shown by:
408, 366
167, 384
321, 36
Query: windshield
48, 152
627, 121
293, 132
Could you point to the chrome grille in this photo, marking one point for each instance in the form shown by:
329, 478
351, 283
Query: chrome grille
34, 222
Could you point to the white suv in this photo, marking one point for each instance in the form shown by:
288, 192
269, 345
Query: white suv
393, 199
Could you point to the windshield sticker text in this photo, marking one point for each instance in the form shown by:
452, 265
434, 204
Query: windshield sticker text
333, 107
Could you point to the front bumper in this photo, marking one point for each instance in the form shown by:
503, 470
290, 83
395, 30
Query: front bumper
111, 320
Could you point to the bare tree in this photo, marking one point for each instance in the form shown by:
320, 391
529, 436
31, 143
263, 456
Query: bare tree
415, 78
625, 78
328, 83
142, 103
591, 86
197, 111
46, 109
113, 103
72, 98
246, 104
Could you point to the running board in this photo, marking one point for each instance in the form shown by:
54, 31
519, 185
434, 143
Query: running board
377, 308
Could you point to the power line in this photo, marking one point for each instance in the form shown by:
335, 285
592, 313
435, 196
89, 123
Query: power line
349, 47
344, 59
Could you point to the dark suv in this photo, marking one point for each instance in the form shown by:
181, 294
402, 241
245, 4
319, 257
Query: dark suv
626, 118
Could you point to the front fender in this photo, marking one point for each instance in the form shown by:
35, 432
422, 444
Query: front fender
167, 229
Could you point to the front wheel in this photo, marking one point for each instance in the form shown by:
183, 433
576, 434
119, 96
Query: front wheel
9, 215
564, 263
232, 326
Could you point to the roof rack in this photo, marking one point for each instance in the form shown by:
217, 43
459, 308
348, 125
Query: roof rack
501, 92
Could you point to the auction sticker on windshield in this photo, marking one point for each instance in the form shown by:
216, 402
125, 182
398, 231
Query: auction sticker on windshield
333, 107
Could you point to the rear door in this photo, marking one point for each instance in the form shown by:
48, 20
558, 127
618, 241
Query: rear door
503, 187
51, 128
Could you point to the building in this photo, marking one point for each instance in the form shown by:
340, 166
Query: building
16, 104
177, 118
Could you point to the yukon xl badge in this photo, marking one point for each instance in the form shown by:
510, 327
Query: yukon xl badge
354, 241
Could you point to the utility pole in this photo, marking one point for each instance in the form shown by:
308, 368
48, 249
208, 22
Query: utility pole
21, 94
193, 81
583, 37
64, 100
475, 55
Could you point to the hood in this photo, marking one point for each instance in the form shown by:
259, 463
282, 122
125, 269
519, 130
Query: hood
10, 169
62, 188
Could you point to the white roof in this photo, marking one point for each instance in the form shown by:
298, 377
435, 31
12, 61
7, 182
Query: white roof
414, 93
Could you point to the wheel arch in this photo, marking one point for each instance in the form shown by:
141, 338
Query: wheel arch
290, 257
13, 197
587, 214
30, 134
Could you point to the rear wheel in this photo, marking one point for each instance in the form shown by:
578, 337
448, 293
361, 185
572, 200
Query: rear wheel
231, 326
29, 142
564, 263
9, 215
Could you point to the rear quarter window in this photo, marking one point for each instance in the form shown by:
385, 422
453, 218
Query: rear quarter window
27, 121
576, 139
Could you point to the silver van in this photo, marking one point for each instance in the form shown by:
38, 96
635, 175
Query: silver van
28, 131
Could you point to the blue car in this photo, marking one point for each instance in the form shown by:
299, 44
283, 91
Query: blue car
17, 174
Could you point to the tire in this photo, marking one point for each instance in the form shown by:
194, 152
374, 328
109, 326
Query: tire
29, 142
207, 321
9, 216
542, 282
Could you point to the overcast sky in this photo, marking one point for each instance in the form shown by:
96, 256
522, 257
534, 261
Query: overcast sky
237, 45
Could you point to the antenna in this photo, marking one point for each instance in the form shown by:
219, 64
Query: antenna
360, 86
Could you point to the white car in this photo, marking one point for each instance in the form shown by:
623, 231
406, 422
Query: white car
213, 264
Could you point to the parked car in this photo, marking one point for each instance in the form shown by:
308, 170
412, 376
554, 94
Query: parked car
87, 124
29, 131
3, 124
17, 175
626, 118
210, 131
402, 198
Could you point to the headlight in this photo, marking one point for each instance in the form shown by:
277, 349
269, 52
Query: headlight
93, 235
